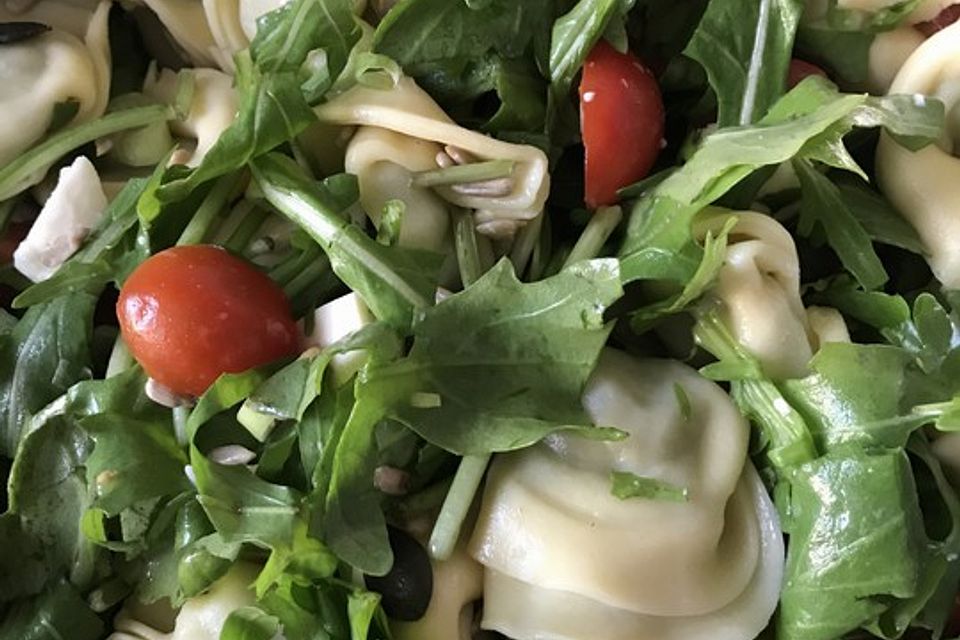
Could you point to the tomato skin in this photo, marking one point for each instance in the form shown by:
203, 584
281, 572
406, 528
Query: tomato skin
941, 21
800, 69
189, 314
622, 120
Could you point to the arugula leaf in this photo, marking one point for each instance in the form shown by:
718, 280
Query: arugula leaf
714, 256
272, 111
506, 387
926, 331
823, 204
229, 390
415, 32
934, 604
502, 364
784, 434
249, 623
60, 612
658, 243
305, 559
48, 492
857, 527
241, 506
362, 606
877, 216
625, 485
844, 54
516, 82
287, 394
853, 397
353, 522
574, 35
47, 352
393, 282
287, 35
132, 460
745, 47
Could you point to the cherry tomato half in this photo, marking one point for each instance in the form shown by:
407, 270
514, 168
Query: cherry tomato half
189, 314
800, 69
941, 21
622, 119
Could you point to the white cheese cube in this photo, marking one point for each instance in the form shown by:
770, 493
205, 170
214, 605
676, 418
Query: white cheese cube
74, 207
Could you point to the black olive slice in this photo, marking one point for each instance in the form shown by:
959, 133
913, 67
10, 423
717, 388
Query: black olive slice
13, 32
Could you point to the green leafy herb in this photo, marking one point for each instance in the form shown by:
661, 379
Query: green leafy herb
392, 281
453, 30
30, 167
132, 460
824, 206
626, 485
856, 526
249, 623
272, 111
802, 124
60, 612
745, 47
521, 373
574, 35
286, 36
47, 352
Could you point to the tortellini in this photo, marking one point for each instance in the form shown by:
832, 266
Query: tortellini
201, 617
54, 68
423, 130
888, 52
826, 325
209, 32
384, 162
925, 185
566, 560
212, 111
72, 16
759, 288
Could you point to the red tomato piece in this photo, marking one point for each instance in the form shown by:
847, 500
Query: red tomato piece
189, 314
944, 19
800, 69
622, 119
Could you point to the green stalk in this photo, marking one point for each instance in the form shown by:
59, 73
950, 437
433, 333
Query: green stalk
309, 275
791, 443
209, 210
28, 169
464, 173
526, 242
468, 254
239, 241
542, 251
287, 270
455, 507
602, 224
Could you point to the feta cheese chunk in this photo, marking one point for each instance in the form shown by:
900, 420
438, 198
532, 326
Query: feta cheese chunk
334, 321
75, 207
